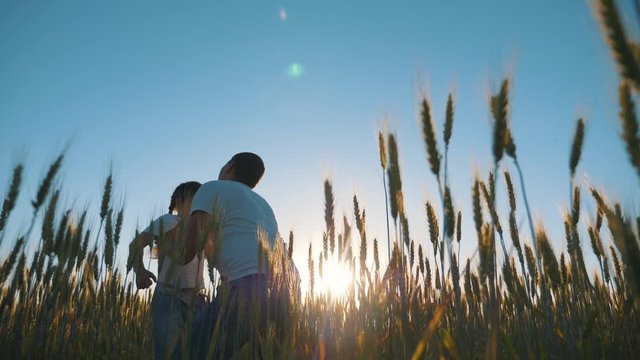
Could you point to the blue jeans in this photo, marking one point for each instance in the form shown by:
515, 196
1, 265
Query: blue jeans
171, 316
239, 316
239, 310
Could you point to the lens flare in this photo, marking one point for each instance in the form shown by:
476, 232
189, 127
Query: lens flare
295, 70
283, 14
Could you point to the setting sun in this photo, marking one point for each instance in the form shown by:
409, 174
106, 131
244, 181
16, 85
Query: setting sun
336, 280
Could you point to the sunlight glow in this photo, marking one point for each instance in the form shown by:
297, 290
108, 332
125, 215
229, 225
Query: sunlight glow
336, 280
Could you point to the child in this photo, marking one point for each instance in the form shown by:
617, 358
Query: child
179, 289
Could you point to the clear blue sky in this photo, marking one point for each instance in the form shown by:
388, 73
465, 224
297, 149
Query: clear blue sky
168, 91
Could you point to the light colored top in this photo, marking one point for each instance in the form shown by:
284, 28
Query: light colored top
173, 275
244, 218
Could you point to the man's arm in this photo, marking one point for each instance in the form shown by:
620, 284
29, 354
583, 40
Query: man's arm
199, 235
136, 250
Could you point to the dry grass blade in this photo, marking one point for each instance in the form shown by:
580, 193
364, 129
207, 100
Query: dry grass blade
618, 42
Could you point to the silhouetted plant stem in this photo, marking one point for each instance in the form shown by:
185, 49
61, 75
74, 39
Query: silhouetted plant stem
495, 185
545, 297
444, 229
386, 213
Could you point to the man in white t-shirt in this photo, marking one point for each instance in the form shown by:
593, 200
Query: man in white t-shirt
240, 214
242, 220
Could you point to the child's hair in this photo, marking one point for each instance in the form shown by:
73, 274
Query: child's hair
182, 192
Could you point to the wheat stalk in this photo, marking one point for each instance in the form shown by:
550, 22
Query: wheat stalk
382, 151
290, 247
549, 260
45, 185
433, 227
499, 108
383, 164
10, 200
328, 214
629, 123
429, 135
393, 173
618, 42
576, 147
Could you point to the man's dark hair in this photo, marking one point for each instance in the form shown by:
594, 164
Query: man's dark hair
248, 168
183, 191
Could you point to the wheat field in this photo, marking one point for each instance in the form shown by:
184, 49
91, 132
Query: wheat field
67, 299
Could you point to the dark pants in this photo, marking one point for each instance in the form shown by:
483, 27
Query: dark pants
236, 318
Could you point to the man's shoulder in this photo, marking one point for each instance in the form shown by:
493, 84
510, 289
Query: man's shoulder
210, 184
213, 192
213, 188
221, 184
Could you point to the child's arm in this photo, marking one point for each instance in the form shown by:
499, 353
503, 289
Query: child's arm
144, 277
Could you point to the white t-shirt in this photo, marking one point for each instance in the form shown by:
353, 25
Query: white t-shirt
242, 214
187, 276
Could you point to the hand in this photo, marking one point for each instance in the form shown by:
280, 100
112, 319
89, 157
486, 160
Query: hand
144, 279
